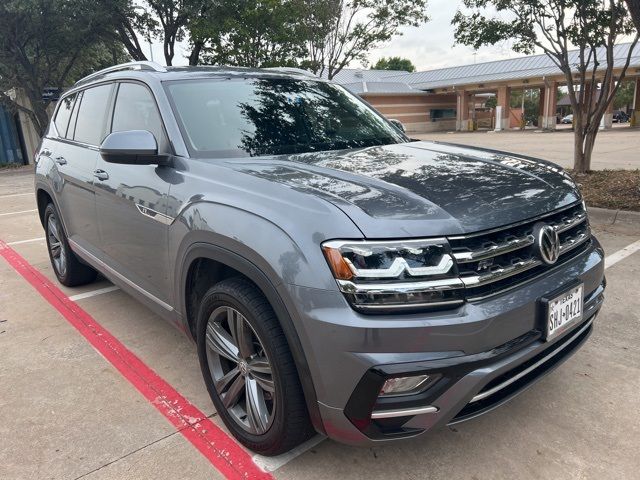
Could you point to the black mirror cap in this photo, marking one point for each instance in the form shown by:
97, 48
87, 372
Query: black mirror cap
398, 124
132, 147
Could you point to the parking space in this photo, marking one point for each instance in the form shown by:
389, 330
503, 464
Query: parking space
66, 412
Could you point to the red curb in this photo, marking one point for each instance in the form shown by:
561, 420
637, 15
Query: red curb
220, 449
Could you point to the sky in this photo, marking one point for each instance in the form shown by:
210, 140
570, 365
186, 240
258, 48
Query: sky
428, 46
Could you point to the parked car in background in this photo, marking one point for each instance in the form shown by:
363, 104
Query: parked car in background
335, 275
567, 119
620, 117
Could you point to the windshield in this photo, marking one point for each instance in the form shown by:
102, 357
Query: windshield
253, 117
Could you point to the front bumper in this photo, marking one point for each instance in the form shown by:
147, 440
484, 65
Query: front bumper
484, 353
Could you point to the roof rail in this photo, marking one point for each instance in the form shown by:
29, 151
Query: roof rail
300, 71
142, 65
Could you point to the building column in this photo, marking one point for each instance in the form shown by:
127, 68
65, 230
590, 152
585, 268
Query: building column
463, 122
607, 118
502, 108
549, 106
635, 113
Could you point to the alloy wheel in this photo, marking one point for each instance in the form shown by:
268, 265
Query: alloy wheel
241, 370
56, 249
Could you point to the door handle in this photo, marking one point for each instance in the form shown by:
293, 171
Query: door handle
61, 160
101, 174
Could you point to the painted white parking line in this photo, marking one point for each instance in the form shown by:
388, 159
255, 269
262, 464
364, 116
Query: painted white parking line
16, 194
271, 464
614, 258
31, 240
17, 213
93, 293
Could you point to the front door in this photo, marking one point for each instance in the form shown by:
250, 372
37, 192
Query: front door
131, 200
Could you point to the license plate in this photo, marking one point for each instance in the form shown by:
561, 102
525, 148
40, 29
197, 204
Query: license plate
564, 311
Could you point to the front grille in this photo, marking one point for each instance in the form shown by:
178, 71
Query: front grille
495, 261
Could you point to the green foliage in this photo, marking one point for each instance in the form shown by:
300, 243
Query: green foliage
347, 30
51, 43
624, 95
255, 33
591, 27
394, 63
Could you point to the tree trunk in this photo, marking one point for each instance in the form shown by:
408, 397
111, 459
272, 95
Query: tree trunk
194, 57
634, 10
580, 164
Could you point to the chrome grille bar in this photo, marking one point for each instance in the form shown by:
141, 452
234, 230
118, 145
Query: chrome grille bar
523, 265
494, 250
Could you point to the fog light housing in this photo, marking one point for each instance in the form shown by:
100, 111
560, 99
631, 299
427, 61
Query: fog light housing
397, 386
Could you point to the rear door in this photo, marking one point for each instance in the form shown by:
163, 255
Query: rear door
76, 153
132, 199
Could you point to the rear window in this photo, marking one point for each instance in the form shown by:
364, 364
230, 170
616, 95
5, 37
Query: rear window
254, 117
90, 126
64, 114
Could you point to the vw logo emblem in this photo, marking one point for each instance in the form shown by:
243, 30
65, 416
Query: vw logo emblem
548, 243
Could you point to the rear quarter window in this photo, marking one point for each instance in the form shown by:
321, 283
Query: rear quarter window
64, 114
90, 125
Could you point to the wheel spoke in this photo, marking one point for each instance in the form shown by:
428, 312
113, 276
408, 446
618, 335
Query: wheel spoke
261, 371
53, 229
233, 394
225, 381
241, 332
257, 412
221, 342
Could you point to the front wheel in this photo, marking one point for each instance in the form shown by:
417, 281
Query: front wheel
248, 368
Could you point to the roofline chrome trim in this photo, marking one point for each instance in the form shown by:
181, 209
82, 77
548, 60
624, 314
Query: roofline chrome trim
121, 277
405, 412
528, 370
139, 65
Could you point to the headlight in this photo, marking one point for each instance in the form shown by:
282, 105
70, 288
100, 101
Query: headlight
396, 275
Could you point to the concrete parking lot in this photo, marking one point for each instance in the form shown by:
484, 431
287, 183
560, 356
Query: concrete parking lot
67, 413
615, 148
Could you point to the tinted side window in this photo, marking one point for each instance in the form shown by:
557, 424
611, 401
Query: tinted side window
63, 115
136, 110
92, 115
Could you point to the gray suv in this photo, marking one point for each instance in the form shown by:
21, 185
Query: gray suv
335, 275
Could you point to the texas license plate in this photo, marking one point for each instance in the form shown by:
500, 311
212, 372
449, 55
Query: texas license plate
564, 311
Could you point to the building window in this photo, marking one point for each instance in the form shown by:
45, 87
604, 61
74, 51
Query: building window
442, 114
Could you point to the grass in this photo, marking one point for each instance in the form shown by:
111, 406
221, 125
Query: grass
8, 166
614, 189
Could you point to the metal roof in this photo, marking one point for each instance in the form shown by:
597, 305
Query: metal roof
531, 66
355, 75
381, 87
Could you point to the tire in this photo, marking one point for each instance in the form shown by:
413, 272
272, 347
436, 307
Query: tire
282, 420
70, 271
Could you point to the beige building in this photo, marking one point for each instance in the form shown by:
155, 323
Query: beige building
448, 98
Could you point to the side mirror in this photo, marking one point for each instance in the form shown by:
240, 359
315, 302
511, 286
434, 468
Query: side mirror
398, 124
132, 147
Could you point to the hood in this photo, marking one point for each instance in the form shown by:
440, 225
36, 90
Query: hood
422, 188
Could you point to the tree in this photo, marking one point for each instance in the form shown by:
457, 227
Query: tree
624, 96
50, 43
128, 19
394, 63
343, 31
555, 27
634, 10
172, 18
253, 33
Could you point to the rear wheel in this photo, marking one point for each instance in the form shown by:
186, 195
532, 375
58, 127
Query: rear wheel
248, 368
67, 267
